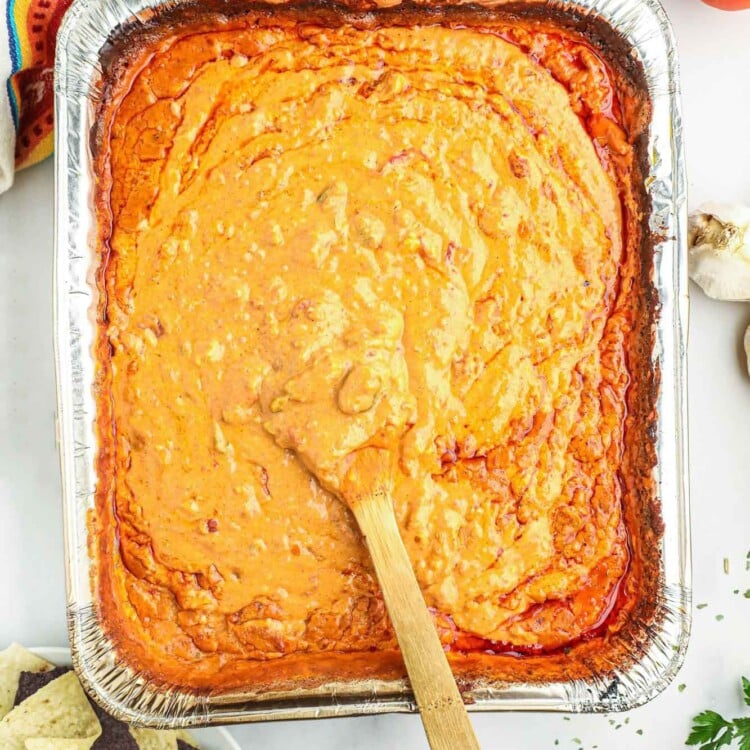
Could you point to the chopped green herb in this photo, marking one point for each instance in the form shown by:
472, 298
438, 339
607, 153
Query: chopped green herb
746, 690
737, 591
726, 566
627, 720
747, 594
619, 726
566, 718
719, 618
639, 732
701, 606
681, 687
576, 741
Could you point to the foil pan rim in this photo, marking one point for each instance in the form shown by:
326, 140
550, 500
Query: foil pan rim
129, 696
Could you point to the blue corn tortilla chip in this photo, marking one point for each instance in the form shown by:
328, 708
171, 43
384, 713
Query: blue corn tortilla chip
115, 734
30, 682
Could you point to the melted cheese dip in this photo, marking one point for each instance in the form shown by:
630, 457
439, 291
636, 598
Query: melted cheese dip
321, 239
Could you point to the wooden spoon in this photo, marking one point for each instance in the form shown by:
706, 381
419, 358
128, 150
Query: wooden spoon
367, 487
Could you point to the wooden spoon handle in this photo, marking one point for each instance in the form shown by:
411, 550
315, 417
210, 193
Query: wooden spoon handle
444, 715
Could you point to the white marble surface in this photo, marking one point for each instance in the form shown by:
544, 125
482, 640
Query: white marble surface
715, 55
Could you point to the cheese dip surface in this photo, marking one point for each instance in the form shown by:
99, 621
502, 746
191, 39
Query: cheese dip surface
322, 238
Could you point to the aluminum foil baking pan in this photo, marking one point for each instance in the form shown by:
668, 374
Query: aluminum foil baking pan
644, 30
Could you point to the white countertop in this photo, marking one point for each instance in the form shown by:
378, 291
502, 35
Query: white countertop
715, 61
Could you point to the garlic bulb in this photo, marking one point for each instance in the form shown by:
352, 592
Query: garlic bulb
719, 251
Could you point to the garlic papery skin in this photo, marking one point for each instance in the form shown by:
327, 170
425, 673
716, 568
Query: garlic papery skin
719, 250
746, 342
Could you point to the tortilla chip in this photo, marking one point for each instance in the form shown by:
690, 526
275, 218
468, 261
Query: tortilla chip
59, 710
115, 733
186, 741
45, 743
30, 682
162, 739
14, 660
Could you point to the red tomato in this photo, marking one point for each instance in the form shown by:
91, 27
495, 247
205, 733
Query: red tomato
729, 4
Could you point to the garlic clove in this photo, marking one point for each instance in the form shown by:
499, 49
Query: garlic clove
719, 250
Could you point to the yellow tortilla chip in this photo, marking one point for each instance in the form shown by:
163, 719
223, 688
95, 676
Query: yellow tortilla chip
45, 743
159, 739
14, 660
59, 710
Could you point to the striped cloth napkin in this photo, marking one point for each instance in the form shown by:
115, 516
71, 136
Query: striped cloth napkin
27, 49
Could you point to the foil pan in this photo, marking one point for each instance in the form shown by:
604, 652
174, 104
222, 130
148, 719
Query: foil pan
642, 26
